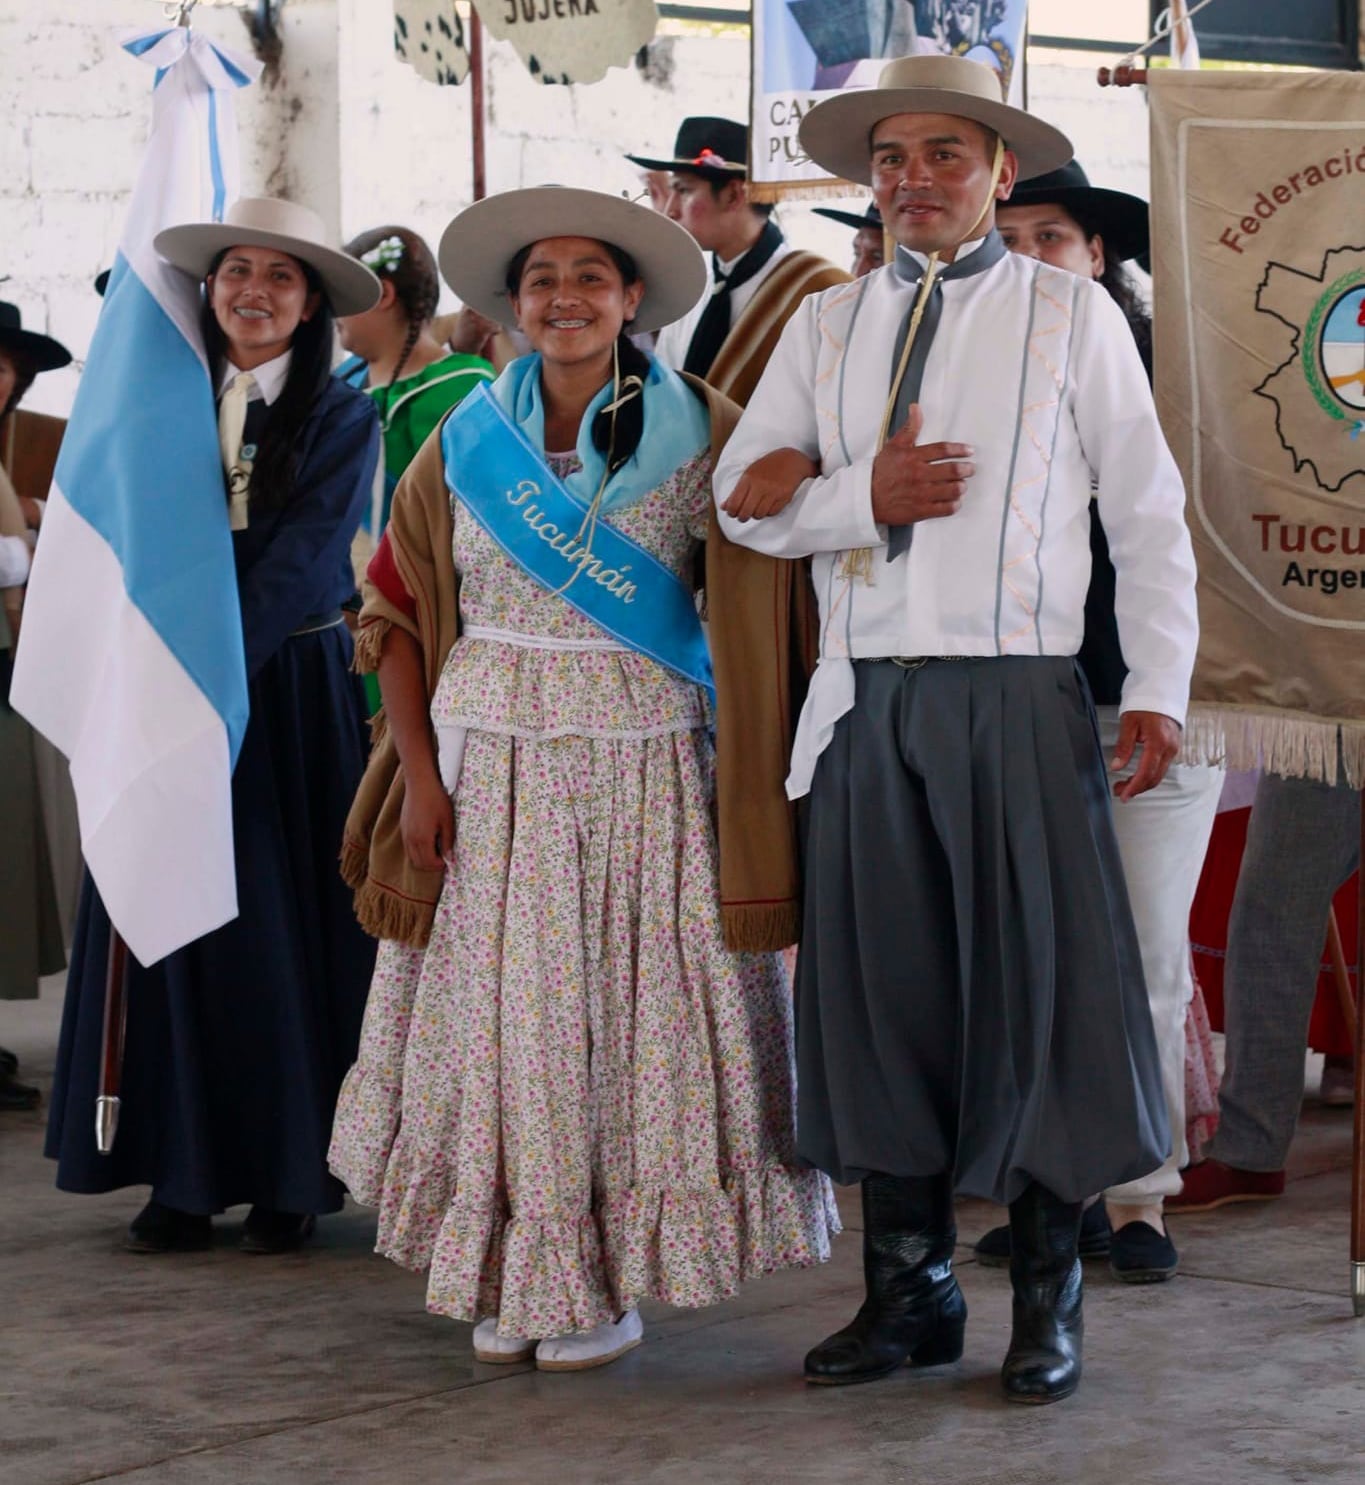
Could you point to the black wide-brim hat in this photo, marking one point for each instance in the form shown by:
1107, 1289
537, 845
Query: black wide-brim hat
1119, 218
870, 218
42, 351
717, 148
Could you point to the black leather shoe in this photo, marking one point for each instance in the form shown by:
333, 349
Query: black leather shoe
1142, 1255
267, 1231
1043, 1363
993, 1250
9, 1061
914, 1312
17, 1095
162, 1229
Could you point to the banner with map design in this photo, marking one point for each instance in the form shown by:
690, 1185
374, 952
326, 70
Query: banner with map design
1258, 242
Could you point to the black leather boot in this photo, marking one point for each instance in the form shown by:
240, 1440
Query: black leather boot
1043, 1363
914, 1312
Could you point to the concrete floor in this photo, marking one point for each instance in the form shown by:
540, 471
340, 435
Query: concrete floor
323, 1366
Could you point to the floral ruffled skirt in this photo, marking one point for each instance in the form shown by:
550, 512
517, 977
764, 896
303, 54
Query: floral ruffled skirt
576, 1097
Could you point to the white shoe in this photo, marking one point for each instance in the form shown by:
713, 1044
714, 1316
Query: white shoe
576, 1353
500, 1350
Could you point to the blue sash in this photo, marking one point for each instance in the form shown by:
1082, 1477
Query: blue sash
506, 486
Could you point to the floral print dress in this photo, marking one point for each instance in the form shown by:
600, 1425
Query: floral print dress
576, 1096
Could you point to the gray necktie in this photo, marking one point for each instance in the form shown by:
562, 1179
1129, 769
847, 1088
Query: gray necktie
909, 270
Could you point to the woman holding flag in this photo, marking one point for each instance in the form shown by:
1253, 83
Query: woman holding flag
237, 1043
577, 1095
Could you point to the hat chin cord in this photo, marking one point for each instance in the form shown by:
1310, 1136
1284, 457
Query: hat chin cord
621, 393
858, 563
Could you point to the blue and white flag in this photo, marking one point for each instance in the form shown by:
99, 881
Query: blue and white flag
132, 660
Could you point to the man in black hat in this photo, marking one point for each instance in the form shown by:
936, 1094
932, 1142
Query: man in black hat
758, 277
869, 236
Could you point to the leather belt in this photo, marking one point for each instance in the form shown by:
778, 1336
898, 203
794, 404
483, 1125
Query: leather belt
911, 662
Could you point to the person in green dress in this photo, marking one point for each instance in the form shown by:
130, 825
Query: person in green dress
394, 356
413, 378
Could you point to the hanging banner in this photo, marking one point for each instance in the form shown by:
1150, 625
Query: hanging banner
806, 50
429, 36
1258, 240
571, 41
560, 41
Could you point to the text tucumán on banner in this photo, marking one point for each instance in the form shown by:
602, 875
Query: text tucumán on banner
1258, 240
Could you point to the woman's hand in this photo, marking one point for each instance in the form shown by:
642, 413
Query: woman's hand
767, 486
428, 823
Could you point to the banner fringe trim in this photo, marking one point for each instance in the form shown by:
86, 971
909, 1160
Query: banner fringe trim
1296, 745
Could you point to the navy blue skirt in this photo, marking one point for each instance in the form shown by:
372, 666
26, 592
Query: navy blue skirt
237, 1044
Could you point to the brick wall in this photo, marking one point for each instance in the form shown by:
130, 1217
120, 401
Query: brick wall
348, 130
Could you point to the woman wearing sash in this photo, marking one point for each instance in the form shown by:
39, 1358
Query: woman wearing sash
576, 1096
237, 1043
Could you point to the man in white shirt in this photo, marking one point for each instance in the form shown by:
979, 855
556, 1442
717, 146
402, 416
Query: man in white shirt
758, 277
971, 1003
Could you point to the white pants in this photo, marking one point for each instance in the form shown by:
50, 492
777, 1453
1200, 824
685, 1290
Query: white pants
1163, 837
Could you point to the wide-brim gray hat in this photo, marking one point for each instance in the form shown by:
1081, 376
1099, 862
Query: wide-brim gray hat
837, 133
478, 245
260, 221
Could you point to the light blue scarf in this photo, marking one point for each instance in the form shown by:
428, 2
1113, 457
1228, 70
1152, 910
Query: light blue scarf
677, 428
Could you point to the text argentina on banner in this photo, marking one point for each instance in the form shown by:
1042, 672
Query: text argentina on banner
807, 50
132, 661
1259, 255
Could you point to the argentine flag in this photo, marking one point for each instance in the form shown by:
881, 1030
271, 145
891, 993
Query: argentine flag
131, 660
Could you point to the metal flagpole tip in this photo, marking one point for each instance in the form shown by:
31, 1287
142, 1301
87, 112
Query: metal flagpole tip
106, 1123
1358, 1289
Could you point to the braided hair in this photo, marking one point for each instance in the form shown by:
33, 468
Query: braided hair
627, 420
400, 257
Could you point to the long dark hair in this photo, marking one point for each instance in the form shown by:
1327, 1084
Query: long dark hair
275, 467
630, 415
1122, 289
411, 269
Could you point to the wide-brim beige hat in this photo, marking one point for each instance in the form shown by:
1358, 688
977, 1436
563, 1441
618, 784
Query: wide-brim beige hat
836, 134
479, 244
260, 221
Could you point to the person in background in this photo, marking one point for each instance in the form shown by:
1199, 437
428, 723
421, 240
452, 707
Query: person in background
758, 277
413, 378
1061, 219
237, 1043
30, 924
869, 236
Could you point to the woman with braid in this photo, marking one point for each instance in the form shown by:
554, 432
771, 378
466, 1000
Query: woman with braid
575, 1083
413, 378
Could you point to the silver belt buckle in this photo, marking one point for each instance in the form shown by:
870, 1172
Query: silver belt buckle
910, 662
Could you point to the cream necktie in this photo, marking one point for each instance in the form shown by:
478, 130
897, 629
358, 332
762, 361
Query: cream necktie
231, 423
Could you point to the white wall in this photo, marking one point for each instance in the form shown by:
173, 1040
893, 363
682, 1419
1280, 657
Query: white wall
350, 131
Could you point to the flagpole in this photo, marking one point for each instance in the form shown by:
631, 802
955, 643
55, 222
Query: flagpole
476, 103
107, 1102
1358, 1125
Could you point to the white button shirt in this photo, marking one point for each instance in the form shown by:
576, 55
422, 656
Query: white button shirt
270, 377
1036, 369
